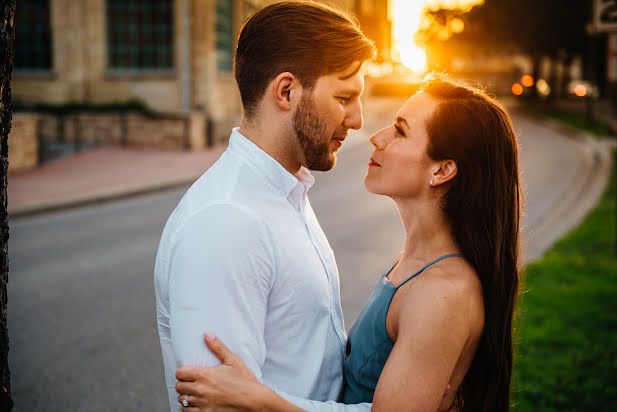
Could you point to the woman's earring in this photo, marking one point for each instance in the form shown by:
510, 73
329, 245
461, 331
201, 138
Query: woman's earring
430, 182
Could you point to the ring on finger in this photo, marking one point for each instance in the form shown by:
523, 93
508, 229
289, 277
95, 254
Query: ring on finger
185, 402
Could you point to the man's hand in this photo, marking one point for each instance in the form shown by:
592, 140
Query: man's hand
230, 386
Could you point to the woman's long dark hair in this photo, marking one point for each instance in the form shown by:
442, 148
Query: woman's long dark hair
483, 205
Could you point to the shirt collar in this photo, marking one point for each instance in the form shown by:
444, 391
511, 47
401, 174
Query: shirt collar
293, 188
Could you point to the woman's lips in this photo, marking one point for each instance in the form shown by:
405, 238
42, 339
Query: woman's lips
374, 163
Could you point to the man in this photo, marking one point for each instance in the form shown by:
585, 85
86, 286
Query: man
243, 256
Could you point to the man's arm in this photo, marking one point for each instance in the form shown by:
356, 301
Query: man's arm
221, 274
315, 406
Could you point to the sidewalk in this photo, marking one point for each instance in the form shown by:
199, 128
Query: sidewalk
101, 174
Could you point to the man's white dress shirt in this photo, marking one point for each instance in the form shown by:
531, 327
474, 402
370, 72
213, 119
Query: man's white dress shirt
243, 257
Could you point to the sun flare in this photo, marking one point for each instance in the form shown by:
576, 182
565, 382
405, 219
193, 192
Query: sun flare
409, 16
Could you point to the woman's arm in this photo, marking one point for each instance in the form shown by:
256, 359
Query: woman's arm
215, 388
434, 324
233, 387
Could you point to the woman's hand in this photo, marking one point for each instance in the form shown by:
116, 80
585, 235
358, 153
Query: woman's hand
230, 386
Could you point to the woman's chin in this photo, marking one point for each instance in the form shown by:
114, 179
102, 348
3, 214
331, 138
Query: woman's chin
370, 187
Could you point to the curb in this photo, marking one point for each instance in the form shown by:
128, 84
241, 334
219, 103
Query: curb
99, 198
582, 195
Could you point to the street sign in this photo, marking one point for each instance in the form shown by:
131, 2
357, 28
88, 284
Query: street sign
605, 15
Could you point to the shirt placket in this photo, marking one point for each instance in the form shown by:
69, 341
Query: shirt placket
327, 258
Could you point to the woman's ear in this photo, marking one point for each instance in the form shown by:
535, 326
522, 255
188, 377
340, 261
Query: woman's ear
445, 172
284, 88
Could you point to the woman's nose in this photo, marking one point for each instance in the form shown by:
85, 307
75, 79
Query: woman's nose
379, 139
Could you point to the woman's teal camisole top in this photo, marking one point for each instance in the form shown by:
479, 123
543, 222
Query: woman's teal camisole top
369, 345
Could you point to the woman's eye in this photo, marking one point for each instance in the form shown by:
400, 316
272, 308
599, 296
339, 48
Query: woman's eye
399, 131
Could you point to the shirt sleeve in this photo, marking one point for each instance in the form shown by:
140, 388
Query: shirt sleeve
328, 406
222, 269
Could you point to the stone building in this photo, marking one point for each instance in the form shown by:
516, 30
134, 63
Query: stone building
175, 56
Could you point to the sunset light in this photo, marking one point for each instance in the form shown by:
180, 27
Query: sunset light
409, 16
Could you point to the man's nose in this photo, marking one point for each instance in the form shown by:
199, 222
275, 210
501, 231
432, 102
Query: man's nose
353, 120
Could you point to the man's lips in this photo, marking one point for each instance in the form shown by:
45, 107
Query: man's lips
374, 163
341, 135
339, 140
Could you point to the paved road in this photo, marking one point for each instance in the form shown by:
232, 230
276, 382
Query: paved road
81, 305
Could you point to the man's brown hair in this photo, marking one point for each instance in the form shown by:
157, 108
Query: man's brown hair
304, 38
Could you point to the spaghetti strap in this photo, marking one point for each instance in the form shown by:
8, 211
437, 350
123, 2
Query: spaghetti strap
427, 265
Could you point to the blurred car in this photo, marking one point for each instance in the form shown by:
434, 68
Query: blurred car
582, 88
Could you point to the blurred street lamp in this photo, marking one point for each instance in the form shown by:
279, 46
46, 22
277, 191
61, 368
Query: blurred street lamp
517, 89
527, 80
543, 88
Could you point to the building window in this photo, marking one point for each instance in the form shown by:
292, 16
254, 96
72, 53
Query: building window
140, 34
224, 35
33, 36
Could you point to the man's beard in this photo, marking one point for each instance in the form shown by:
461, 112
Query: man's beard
311, 132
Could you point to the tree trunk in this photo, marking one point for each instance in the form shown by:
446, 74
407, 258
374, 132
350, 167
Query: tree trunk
7, 38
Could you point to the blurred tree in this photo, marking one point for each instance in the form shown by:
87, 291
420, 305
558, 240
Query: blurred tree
7, 38
554, 28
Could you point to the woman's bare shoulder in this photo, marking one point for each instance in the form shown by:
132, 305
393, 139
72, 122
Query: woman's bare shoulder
451, 284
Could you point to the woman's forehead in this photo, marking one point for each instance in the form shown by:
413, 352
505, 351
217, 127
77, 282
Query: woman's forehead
417, 108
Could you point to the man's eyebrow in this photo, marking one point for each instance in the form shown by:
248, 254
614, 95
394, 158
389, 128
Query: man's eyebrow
402, 120
350, 92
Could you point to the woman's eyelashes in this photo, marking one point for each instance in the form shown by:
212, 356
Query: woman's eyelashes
399, 131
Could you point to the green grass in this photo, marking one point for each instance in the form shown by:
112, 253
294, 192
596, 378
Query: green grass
566, 358
567, 117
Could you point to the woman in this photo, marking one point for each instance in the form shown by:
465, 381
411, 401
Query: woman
442, 315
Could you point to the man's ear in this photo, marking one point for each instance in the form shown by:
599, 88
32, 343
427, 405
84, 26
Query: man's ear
445, 172
285, 87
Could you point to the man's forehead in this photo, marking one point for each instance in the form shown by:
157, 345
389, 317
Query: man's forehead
342, 82
352, 70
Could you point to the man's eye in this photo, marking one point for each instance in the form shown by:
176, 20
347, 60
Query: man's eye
344, 100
